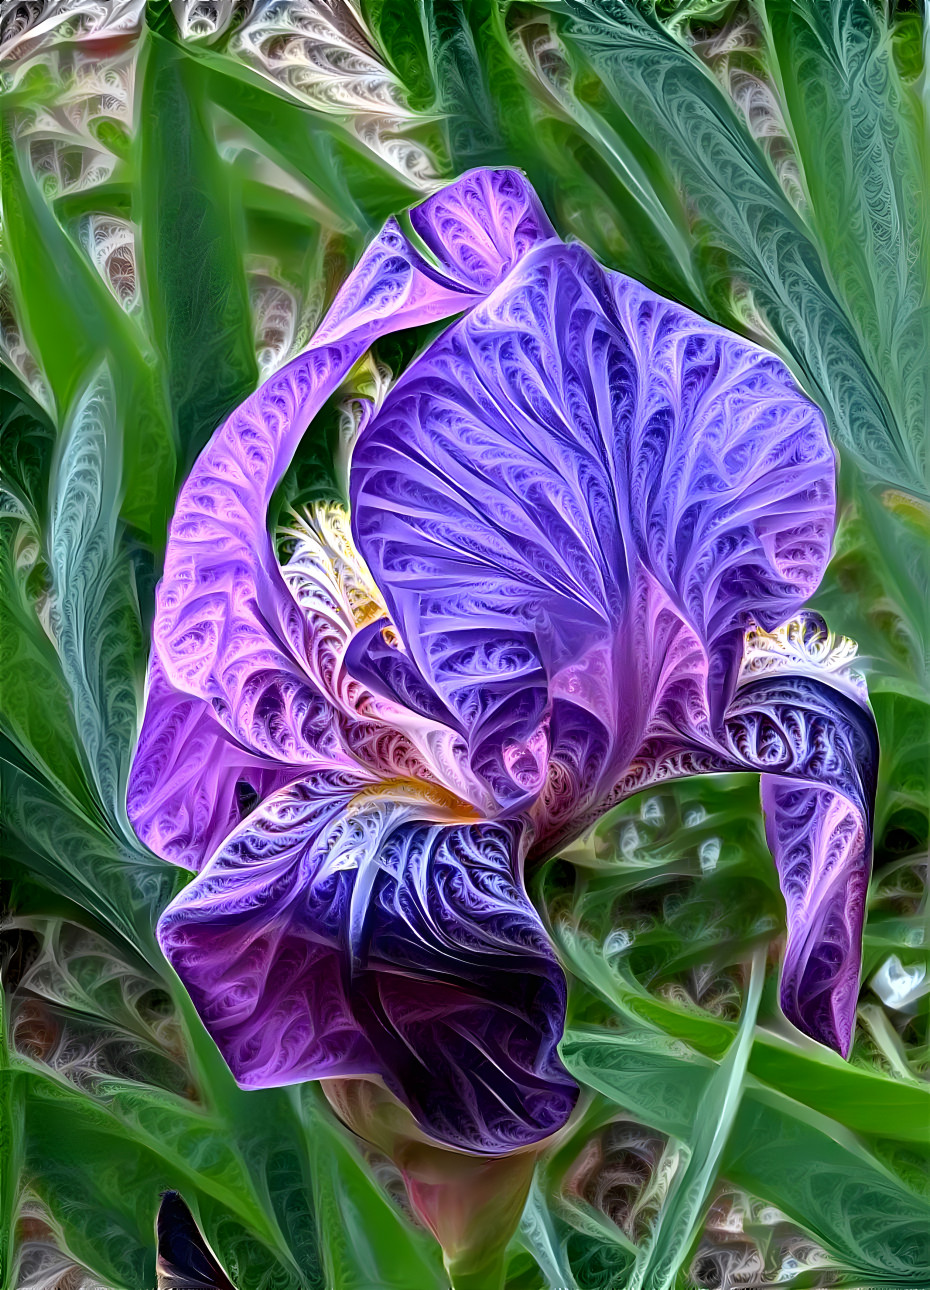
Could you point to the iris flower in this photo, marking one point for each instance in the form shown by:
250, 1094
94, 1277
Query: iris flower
583, 524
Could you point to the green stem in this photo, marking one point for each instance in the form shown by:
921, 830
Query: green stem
466, 1274
661, 1256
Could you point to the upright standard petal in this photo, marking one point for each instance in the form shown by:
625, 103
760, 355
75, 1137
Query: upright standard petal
572, 454
342, 932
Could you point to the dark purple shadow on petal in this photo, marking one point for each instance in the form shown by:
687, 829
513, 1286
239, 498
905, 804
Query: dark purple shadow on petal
386, 670
452, 993
184, 1260
465, 1000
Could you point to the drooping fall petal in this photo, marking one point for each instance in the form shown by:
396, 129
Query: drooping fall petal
801, 717
340, 932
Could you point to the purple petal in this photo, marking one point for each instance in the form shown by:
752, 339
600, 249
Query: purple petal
466, 999
574, 443
227, 629
818, 805
190, 783
482, 225
814, 740
232, 686
425, 963
822, 846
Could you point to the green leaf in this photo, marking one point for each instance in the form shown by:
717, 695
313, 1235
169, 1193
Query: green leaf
94, 614
72, 323
833, 1188
27, 438
194, 282
367, 1242
36, 714
856, 129
356, 190
74, 853
661, 1255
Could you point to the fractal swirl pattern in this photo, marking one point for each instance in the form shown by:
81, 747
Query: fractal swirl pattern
583, 526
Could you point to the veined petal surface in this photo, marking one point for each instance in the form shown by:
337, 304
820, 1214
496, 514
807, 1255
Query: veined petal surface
573, 454
339, 931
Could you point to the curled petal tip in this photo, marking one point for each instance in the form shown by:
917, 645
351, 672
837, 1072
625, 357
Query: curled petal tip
479, 226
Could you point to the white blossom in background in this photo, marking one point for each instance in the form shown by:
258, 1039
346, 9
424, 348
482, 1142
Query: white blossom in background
536, 45
709, 854
110, 243
207, 19
285, 314
274, 318
13, 348
385, 137
898, 986
749, 1243
99, 87
42, 1260
652, 812
30, 25
618, 942
323, 54
62, 138
629, 842
62, 161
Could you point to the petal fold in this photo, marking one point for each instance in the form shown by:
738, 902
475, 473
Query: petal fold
481, 226
339, 933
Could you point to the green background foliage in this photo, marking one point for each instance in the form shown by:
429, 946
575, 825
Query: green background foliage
183, 187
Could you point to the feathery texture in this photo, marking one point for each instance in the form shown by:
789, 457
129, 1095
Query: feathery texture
185, 188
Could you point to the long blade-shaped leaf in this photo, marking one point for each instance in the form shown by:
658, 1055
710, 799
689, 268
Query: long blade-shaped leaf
94, 615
